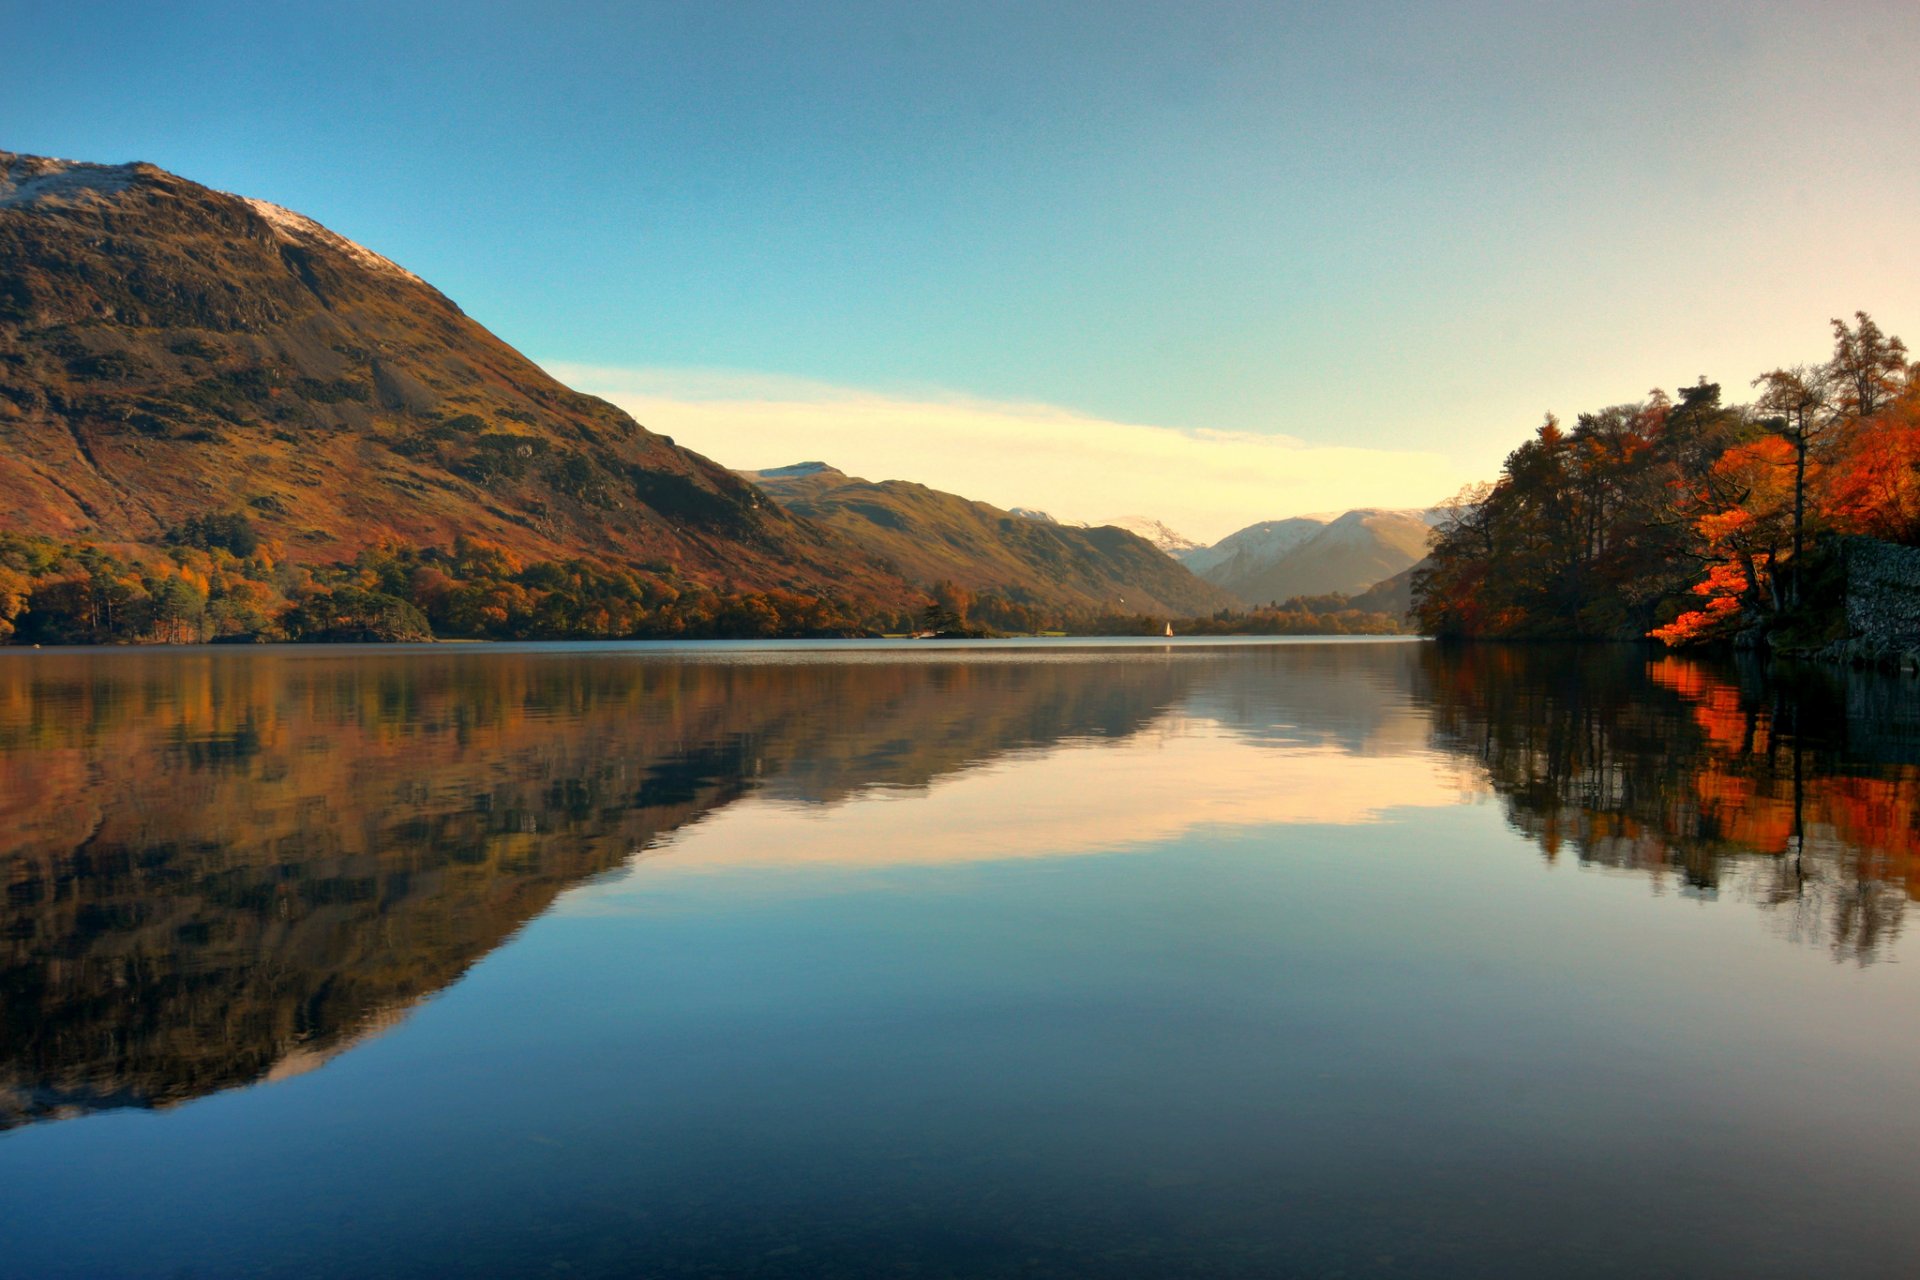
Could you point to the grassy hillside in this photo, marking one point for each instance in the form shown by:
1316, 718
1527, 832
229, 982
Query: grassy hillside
928, 536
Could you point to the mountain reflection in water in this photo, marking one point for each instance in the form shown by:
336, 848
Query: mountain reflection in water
227, 867
219, 865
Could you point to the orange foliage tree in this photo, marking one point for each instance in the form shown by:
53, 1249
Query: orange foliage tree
1874, 487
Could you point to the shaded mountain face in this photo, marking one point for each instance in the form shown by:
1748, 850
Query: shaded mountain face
1308, 556
927, 536
1391, 595
169, 351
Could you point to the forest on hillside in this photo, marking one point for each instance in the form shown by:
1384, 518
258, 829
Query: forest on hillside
1686, 517
215, 578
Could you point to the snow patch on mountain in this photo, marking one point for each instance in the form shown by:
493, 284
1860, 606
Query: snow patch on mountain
1177, 545
1028, 513
1263, 542
26, 180
296, 228
43, 180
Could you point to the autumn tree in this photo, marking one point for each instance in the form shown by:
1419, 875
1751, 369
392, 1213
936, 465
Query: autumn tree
178, 604
1868, 367
1748, 515
15, 590
1873, 487
947, 610
1798, 397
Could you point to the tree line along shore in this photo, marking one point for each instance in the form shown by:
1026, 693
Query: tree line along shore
215, 579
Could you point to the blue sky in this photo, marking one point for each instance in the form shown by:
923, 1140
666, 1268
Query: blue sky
1365, 230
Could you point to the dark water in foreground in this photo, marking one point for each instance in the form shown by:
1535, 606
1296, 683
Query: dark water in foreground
1270, 960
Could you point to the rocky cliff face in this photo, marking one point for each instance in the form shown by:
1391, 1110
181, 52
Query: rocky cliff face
167, 350
1873, 602
1883, 593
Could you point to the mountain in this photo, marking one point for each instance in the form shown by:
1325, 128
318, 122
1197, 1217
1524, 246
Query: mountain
1312, 555
1255, 545
169, 352
926, 536
1390, 595
1177, 545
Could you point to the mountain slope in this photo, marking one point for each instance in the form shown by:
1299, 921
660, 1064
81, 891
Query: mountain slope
1309, 556
927, 535
1177, 545
169, 351
1252, 547
1392, 595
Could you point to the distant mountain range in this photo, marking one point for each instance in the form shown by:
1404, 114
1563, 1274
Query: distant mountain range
1314, 555
1367, 553
1027, 557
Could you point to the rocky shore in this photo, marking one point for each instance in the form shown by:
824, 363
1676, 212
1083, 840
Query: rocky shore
1880, 582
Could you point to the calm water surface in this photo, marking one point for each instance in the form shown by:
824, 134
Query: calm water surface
1349, 959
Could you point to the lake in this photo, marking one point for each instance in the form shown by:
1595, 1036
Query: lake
1136, 959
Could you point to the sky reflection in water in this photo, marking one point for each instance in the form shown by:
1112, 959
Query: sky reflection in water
1128, 962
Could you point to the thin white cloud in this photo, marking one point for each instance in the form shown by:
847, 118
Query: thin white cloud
1201, 482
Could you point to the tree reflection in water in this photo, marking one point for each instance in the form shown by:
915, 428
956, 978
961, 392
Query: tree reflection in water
1796, 790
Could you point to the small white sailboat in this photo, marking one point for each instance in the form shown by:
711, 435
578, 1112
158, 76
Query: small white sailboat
1169, 631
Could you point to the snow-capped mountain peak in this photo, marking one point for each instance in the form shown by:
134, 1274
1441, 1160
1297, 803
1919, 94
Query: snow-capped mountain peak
1263, 542
1174, 544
